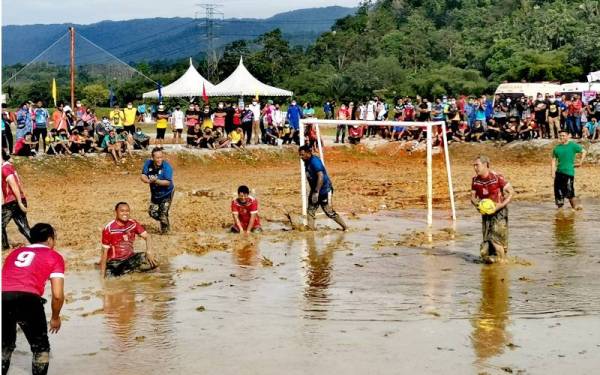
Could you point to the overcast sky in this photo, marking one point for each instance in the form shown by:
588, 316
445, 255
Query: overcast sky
19, 12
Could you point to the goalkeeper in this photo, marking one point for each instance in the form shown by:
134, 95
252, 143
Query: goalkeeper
491, 194
321, 190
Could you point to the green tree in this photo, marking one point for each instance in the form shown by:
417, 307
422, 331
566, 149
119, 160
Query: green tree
95, 94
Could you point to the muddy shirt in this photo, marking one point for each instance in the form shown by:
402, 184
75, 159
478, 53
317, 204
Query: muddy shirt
7, 193
244, 211
27, 268
489, 187
118, 238
313, 166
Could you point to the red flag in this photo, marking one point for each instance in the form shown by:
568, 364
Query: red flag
204, 96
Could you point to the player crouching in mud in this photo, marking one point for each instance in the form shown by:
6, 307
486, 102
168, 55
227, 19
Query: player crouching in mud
491, 194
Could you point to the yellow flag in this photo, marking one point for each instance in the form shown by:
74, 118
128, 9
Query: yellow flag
256, 96
54, 91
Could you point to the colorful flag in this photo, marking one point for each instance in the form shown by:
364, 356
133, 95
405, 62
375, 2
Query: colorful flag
111, 97
204, 96
256, 96
54, 91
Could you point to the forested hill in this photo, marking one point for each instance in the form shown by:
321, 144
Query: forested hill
160, 38
452, 46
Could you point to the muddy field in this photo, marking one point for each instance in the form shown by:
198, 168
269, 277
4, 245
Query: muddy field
380, 299
77, 195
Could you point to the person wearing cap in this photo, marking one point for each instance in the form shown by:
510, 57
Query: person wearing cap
117, 118
129, 116
177, 119
162, 122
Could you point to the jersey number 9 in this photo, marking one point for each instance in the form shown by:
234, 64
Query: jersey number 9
24, 259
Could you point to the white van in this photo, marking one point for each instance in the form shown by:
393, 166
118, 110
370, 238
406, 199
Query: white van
518, 89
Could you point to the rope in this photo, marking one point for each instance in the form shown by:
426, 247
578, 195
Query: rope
37, 57
118, 59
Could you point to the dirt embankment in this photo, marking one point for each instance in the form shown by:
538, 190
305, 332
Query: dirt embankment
77, 194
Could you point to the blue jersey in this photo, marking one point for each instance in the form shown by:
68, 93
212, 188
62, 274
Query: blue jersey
313, 166
164, 172
41, 117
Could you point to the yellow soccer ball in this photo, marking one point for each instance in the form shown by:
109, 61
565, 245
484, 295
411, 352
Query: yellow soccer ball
487, 206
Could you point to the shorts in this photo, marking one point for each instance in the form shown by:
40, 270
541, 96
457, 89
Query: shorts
26, 310
495, 228
180, 131
129, 129
160, 133
138, 262
119, 129
563, 188
234, 229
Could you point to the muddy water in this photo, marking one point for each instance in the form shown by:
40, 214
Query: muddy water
377, 300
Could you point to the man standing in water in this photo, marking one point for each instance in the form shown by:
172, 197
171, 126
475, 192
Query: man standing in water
158, 173
564, 163
24, 276
321, 190
118, 257
491, 185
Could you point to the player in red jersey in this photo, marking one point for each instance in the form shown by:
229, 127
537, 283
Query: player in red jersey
118, 257
491, 185
244, 210
14, 204
24, 276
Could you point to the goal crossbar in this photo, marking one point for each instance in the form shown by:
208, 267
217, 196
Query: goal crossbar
427, 125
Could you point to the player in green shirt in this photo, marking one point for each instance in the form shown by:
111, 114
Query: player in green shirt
564, 162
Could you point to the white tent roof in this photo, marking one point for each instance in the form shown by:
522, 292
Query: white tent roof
189, 84
242, 83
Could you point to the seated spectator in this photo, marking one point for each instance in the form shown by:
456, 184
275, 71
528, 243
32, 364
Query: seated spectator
527, 130
590, 130
478, 132
77, 145
26, 146
140, 140
236, 138
287, 134
102, 128
355, 133
398, 133
271, 134
463, 133
510, 131
89, 121
244, 210
88, 141
206, 140
111, 146
125, 141
55, 145
494, 129
219, 140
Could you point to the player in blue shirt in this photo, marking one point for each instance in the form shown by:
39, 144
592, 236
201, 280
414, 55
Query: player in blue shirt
158, 173
321, 189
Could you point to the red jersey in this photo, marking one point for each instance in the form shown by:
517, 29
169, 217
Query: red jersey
489, 187
244, 211
27, 268
119, 238
9, 170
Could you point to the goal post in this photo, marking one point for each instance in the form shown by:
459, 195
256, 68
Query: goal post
427, 125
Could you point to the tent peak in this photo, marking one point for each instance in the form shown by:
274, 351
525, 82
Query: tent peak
241, 60
191, 62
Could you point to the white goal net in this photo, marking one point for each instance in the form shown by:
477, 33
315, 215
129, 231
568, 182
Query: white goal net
427, 126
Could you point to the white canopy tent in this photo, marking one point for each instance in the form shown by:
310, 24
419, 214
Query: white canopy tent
242, 83
188, 85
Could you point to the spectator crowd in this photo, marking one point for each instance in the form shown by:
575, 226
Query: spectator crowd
234, 125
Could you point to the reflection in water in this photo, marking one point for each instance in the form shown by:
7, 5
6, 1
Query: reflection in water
489, 336
564, 232
245, 253
137, 311
318, 276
